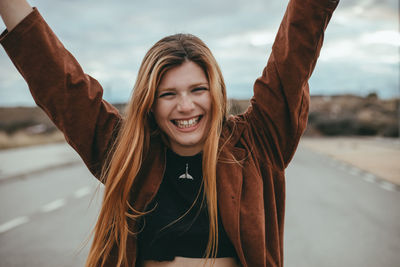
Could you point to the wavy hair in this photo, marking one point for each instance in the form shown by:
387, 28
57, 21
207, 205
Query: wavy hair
133, 142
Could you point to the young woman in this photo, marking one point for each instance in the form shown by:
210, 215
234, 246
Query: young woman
183, 181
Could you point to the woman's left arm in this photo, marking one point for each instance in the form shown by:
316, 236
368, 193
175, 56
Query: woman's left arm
279, 108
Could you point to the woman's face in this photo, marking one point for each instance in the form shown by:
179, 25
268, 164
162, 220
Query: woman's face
182, 108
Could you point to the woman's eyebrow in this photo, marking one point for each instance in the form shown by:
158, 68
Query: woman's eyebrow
199, 84
165, 89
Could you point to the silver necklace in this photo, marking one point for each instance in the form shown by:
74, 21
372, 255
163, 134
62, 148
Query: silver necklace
186, 175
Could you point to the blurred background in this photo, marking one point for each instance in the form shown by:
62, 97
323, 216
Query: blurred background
343, 186
109, 39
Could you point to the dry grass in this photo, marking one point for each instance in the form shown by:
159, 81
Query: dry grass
21, 138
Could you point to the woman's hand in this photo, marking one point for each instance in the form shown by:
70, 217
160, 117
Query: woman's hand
13, 11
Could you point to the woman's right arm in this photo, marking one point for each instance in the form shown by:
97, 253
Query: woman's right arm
13, 11
72, 99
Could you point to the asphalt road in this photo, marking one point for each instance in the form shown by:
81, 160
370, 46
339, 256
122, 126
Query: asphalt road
49, 216
335, 216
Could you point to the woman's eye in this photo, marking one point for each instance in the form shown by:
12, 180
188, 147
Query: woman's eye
198, 89
166, 94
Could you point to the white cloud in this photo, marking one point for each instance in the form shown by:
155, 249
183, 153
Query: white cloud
373, 47
381, 37
253, 38
261, 38
362, 36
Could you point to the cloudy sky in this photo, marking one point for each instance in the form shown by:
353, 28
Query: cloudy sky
109, 39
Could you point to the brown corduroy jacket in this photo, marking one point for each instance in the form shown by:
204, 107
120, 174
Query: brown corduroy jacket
251, 197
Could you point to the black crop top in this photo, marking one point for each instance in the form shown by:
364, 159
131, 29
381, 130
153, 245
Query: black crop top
188, 236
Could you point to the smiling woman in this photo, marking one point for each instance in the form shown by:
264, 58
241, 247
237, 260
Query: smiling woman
185, 185
182, 108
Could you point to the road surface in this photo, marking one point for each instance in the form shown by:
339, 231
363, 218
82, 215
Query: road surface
335, 216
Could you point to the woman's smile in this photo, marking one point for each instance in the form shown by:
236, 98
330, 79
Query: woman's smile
187, 124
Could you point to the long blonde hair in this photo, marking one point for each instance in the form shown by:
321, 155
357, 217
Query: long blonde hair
133, 142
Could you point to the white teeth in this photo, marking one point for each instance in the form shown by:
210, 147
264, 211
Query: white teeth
186, 123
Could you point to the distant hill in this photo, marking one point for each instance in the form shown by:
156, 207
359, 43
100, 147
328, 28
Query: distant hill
347, 115
353, 115
329, 116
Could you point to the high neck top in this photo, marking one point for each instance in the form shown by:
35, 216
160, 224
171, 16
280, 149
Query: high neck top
173, 228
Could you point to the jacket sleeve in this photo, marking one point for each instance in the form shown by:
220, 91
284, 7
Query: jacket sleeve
278, 113
72, 99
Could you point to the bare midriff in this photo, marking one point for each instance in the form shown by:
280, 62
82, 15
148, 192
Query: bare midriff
192, 262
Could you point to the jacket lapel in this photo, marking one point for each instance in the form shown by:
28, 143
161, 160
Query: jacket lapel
229, 189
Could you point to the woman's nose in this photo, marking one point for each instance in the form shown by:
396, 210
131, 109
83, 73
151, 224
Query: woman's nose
185, 104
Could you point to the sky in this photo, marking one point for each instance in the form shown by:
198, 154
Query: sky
360, 54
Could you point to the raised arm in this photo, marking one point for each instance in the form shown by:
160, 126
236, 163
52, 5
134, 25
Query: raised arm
72, 99
13, 11
278, 115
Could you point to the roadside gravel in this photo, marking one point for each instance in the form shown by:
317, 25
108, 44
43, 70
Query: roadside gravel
378, 156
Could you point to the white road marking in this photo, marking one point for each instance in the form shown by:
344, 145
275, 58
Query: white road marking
388, 186
369, 177
355, 171
81, 192
56, 204
13, 223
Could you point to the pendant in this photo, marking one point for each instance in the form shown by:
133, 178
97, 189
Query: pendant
186, 175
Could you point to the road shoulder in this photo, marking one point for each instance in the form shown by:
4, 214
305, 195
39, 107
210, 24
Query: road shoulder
378, 156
